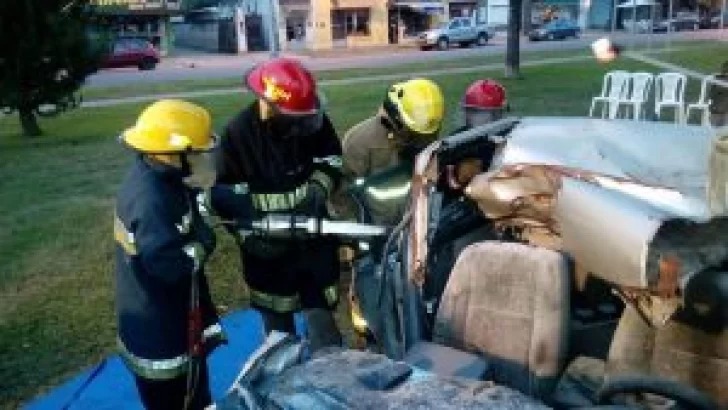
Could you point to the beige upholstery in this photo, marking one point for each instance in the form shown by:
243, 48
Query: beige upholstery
676, 352
509, 302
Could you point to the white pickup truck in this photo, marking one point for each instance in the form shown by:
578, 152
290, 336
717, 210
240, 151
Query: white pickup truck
462, 30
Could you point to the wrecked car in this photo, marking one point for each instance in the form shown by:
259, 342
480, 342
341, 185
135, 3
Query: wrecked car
572, 263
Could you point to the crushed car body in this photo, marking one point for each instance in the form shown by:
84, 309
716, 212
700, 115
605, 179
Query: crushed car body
588, 180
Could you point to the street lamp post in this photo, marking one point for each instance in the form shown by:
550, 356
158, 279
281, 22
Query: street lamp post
274, 44
634, 16
722, 14
513, 42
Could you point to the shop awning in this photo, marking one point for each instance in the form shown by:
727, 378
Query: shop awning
560, 2
429, 7
637, 3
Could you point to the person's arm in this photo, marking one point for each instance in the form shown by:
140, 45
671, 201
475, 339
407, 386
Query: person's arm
229, 198
327, 158
231, 204
163, 249
356, 158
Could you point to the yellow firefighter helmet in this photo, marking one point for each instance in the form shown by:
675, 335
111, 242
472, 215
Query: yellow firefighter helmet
171, 127
416, 105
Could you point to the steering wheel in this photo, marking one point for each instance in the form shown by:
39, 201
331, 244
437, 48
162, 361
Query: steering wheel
686, 397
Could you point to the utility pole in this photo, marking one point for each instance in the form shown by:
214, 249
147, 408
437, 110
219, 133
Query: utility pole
273, 30
527, 14
513, 46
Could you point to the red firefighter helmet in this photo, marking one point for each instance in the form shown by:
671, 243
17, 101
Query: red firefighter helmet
485, 95
286, 84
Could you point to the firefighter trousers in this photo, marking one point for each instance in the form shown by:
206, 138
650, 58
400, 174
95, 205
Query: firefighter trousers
171, 394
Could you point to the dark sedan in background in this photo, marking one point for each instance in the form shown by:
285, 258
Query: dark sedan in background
555, 30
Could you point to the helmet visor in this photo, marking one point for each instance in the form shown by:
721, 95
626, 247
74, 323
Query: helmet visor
286, 125
475, 117
140, 140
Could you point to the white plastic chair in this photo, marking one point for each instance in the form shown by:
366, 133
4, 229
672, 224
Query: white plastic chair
640, 87
614, 88
703, 104
670, 93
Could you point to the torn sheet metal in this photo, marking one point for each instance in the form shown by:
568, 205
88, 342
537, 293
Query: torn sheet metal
607, 231
651, 154
624, 196
522, 195
425, 175
718, 171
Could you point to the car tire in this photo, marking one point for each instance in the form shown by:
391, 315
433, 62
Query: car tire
482, 39
443, 43
551, 37
147, 64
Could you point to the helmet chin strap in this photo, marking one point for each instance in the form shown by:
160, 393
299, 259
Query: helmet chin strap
265, 110
185, 165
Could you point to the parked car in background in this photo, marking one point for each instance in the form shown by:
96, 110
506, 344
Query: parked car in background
132, 52
682, 22
462, 30
555, 30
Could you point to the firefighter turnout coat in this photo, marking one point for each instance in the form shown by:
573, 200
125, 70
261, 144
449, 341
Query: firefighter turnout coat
161, 246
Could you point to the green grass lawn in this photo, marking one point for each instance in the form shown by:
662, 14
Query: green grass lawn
705, 57
56, 315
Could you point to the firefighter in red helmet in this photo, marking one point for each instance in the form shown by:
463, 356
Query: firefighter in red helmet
484, 102
282, 154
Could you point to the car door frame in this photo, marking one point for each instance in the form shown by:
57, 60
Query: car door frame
454, 33
124, 57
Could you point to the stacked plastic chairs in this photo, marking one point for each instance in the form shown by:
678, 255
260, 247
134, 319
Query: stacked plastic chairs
703, 104
640, 86
670, 94
615, 88
626, 95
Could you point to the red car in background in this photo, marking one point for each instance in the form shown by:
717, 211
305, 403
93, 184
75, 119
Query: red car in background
132, 52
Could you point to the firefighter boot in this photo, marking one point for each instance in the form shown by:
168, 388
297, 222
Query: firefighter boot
322, 329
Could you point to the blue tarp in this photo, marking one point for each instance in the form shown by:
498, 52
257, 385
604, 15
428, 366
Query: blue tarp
109, 385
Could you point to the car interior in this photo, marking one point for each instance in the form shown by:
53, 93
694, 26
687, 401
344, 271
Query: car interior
522, 313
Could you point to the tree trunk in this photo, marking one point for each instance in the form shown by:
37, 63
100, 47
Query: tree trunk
513, 46
29, 122
527, 11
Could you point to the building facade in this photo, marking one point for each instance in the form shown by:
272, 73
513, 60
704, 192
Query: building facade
326, 24
148, 19
318, 24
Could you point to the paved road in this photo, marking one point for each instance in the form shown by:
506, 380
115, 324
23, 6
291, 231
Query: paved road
220, 66
356, 80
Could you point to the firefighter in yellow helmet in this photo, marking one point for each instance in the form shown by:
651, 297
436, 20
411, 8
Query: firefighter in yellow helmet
166, 319
381, 150
409, 119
